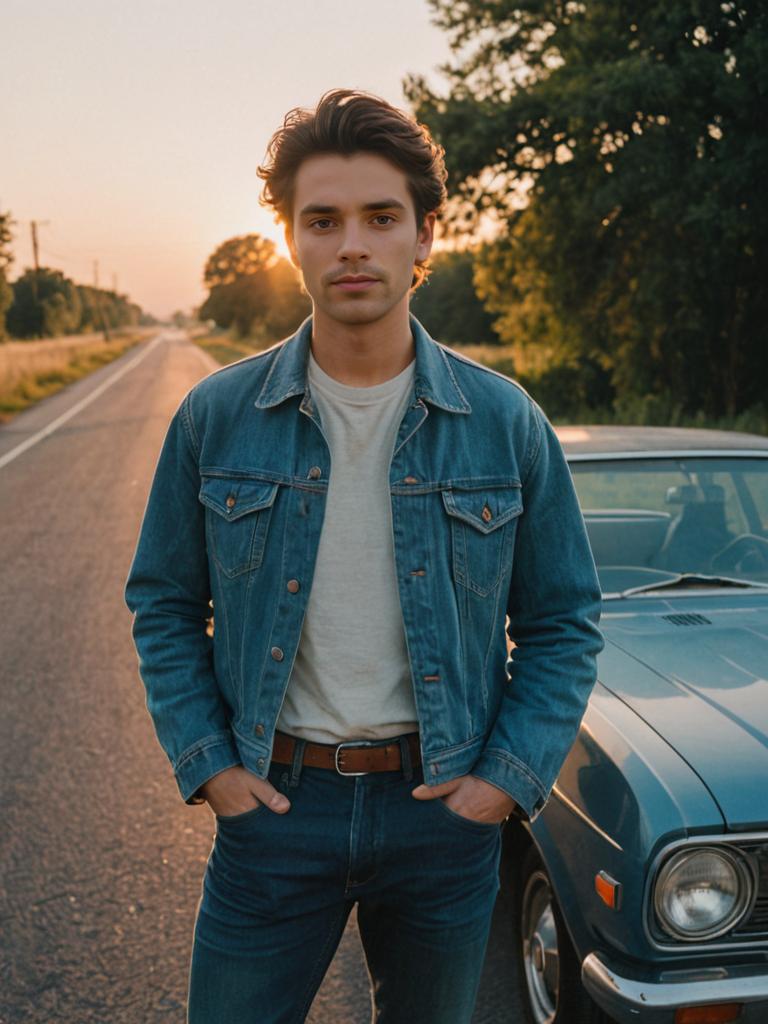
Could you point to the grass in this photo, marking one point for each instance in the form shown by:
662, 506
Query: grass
31, 370
647, 410
226, 348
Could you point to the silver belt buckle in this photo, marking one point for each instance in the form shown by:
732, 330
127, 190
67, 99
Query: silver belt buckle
351, 743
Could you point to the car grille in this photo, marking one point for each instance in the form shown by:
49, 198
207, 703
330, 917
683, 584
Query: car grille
687, 619
757, 921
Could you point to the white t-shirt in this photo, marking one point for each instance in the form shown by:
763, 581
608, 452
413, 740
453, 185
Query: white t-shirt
351, 678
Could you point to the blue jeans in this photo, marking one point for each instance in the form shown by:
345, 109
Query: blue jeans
278, 890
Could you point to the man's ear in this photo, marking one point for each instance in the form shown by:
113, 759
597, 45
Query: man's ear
294, 256
426, 236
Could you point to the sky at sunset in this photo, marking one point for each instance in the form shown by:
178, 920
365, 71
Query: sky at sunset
135, 129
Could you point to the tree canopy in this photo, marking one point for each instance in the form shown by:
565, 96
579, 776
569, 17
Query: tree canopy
252, 289
46, 303
243, 256
448, 303
6, 258
615, 148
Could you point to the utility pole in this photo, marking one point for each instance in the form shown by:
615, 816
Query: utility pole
34, 224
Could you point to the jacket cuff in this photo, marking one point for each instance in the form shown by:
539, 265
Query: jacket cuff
203, 760
507, 773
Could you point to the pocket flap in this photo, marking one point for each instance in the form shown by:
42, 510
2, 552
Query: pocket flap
232, 497
484, 509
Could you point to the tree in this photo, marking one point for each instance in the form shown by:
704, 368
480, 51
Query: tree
45, 303
251, 288
616, 146
6, 258
6, 298
448, 302
288, 305
236, 274
91, 308
243, 256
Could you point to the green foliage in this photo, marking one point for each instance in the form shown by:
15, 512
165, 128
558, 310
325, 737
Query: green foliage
6, 258
288, 304
511, 277
617, 145
6, 237
252, 289
47, 304
242, 256
99, 306
226, 349
448, 304
6, 298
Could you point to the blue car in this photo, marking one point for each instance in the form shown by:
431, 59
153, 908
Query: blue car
640, 892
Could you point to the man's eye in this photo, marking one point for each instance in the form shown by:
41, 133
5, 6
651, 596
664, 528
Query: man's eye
383, 217
321, 223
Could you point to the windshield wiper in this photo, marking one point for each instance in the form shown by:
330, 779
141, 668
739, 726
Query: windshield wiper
692, 579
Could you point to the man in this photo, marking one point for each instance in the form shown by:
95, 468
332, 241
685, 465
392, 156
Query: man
363, 507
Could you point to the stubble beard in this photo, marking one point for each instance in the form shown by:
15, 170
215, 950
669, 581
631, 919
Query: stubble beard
359, 308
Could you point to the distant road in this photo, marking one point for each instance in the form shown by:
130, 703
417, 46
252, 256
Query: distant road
101, 863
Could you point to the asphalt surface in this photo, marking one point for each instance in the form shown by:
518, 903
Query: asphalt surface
101, 863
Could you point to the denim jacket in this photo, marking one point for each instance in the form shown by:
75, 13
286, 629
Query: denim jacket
485, 525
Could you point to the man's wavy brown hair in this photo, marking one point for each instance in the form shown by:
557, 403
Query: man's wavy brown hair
348, 121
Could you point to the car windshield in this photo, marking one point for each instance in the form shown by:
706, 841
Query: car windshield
652, 518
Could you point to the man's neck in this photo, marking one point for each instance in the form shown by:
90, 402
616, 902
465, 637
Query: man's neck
362, 355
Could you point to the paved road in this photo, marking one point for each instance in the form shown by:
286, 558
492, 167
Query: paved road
100, 861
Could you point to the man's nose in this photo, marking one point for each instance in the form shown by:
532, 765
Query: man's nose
352, 244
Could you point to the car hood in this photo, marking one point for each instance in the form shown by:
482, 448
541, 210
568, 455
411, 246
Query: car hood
700, 679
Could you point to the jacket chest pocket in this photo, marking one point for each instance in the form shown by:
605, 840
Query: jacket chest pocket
237, 521
482, 524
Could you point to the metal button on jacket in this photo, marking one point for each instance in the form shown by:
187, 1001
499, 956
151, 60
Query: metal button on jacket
315, 472
277, 653
292, 585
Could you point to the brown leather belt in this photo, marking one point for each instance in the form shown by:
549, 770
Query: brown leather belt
355, 757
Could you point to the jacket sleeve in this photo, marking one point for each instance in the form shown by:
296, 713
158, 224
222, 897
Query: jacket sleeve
168, 591
553, 607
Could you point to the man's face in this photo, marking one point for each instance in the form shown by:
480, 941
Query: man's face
354, 235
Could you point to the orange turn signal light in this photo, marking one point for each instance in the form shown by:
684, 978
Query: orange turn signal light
608, 889
717, 1013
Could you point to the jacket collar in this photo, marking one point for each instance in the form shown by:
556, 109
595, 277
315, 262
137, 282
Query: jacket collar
434, 380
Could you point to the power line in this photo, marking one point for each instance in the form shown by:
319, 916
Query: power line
49, 252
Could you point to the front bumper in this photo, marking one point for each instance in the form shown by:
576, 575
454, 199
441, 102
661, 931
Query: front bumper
655, 998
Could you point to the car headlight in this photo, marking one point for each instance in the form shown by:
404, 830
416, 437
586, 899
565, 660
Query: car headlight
702, 893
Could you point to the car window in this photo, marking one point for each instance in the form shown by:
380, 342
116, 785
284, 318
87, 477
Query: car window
653, 517
735, 519
757, 485
622, 485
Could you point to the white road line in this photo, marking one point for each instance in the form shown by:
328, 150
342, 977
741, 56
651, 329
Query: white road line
55, 424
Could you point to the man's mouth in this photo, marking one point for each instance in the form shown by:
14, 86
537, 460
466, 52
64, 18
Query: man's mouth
355, 282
